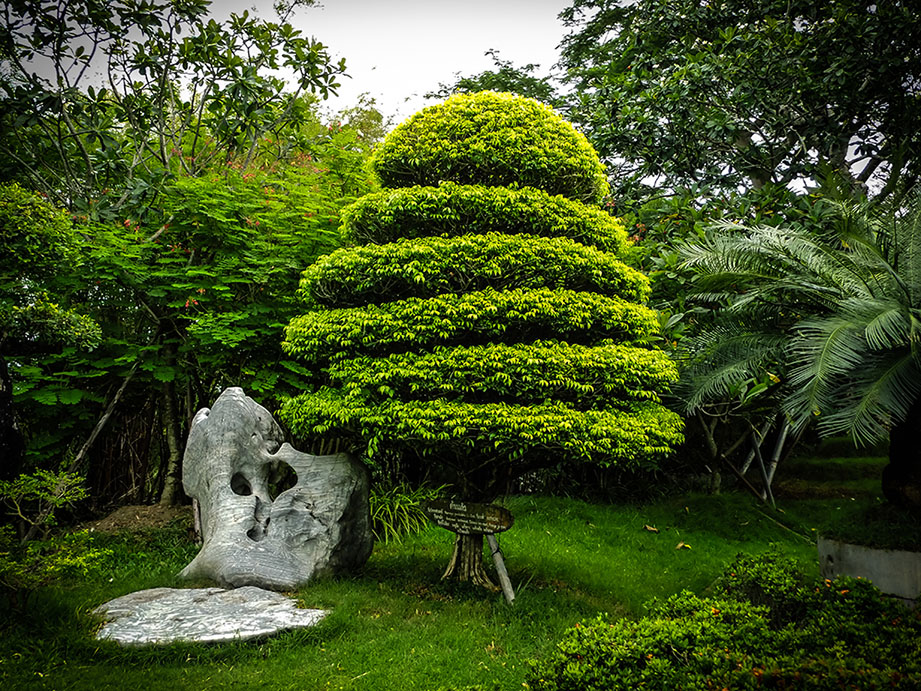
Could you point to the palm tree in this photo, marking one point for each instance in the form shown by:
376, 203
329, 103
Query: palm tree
838, 315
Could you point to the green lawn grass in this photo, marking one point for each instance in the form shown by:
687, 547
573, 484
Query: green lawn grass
397, 626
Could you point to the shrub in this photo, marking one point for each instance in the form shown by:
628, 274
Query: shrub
25, 568
491, 138
765, 628
460, 337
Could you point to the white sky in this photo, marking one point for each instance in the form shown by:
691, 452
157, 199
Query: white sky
397, 50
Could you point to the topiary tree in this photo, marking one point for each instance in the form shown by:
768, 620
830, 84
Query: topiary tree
482, 321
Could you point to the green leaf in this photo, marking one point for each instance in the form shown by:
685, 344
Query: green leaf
164, 374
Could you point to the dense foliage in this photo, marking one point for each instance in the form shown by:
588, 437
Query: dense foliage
38, 252
452, 209
193, 304
482, 352
764, 627
730, 93
492, 139
180, 94
192, 188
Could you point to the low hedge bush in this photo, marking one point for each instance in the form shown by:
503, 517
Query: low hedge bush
765, 626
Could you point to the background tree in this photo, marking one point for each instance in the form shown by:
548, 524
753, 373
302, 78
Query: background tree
727, 94
757, 113
188, 305
104, 102
38, 251
199, 183
505, 77
483, 323
837, 316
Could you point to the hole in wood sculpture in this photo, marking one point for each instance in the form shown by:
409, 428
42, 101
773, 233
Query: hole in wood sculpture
261, 527
281, 478
240, 485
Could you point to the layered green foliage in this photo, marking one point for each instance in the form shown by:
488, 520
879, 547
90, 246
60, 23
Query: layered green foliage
450, 318
493, 139
470, 435
499, 335
451, 209
586, 376
765, 627
433, 265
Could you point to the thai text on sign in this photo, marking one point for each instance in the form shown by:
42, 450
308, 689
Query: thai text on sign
467, 518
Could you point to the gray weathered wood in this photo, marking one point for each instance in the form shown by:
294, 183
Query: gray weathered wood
321, 525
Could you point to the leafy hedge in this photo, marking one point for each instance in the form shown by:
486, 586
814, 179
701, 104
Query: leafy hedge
765, 627
429, 266
641, 433
492, 139
583, 376
452, 209
513, 315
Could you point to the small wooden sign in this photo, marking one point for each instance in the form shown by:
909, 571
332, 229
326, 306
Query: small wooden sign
467, 518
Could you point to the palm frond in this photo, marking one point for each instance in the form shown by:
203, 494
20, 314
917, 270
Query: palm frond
906, 247
881, 396
821, 352
847, 303
886, 323
721, 359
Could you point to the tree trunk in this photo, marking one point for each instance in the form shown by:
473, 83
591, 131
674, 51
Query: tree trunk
172, 477
902, 477
11, 443
467, 562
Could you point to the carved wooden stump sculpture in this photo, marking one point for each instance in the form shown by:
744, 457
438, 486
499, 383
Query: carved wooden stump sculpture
320, 525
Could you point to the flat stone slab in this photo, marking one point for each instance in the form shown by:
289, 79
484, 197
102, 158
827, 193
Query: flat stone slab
167, 615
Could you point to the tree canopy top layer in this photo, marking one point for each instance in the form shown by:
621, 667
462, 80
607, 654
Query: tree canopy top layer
492, 139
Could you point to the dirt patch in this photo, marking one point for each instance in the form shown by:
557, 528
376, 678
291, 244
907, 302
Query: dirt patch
133, 518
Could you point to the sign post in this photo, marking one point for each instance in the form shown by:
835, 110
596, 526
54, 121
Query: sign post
467, 518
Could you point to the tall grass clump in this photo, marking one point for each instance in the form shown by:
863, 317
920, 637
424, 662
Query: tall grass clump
400, 510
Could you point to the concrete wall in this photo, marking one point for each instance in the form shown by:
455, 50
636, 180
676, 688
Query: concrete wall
895, 572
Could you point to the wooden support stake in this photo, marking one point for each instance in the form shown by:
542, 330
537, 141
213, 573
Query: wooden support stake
504, 580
